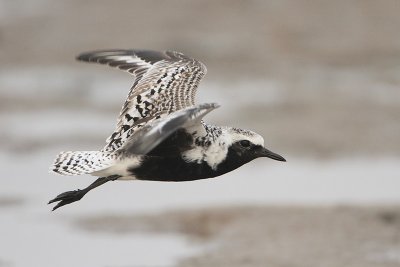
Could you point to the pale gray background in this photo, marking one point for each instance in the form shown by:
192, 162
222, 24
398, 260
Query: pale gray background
319, 79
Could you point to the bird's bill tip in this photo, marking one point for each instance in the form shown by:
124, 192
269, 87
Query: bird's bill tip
269, 154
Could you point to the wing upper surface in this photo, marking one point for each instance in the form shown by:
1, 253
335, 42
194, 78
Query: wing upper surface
164, 82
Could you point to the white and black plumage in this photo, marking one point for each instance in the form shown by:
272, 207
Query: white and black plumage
160, 134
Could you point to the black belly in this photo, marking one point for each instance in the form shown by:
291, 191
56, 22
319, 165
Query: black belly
173, 169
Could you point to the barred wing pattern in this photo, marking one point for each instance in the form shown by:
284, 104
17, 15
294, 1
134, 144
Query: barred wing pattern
164, 82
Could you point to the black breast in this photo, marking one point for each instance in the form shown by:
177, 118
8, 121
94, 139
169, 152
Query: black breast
174, 169
165, 163
174, 145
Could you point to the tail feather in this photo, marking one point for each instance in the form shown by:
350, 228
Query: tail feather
81, 162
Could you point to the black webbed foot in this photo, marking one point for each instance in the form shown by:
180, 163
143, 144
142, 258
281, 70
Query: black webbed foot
68, 198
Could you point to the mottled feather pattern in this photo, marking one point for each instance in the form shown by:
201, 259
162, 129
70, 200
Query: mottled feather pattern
153, 133
212, 133
82, 162
164, 82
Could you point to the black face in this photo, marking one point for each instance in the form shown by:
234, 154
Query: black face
240, 153
245, 151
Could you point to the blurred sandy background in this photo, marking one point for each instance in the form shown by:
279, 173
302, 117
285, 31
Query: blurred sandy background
320, 80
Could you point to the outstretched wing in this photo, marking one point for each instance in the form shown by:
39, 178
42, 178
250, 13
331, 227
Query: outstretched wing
164, 82
154, 133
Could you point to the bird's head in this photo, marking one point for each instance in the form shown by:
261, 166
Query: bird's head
247, 145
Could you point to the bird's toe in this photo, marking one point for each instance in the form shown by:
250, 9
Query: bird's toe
67, 198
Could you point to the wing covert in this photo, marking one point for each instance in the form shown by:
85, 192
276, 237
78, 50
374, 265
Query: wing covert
164, 82
154, 133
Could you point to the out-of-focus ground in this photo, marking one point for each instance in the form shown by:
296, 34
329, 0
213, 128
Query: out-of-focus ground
275, 236
319, 79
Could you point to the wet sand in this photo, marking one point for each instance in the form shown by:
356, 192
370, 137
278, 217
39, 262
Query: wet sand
345, 236
7, 202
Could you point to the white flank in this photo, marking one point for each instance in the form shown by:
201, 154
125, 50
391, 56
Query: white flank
120, 168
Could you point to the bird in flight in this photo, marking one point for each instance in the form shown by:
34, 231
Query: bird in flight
160, 133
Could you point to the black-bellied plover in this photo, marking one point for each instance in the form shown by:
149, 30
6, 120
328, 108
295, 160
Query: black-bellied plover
160, 134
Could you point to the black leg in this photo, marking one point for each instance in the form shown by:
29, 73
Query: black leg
72, 196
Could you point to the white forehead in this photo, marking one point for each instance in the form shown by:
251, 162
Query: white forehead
240, 134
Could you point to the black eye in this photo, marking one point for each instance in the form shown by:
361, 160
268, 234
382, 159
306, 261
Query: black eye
245, 143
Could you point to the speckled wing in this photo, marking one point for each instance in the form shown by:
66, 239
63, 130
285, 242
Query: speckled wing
153, 133
164, 82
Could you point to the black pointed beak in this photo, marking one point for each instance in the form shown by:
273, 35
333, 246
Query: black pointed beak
263, 152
